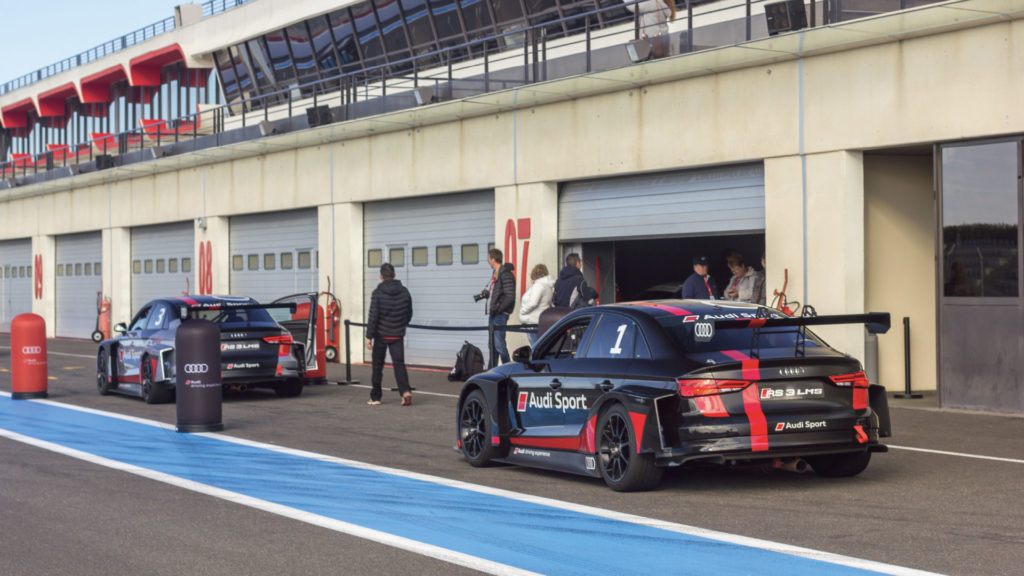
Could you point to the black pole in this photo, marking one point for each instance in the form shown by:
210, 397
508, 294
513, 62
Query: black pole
348, 357
907, 393
490, 346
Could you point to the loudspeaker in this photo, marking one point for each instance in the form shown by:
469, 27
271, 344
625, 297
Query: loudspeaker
785, 16
318, 116
104, 161
639, 50
424, 95
267, 127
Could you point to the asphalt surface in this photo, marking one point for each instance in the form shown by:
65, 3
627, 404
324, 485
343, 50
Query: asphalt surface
948, 513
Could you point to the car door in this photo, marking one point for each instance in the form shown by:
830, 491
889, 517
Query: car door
302, 323
601, 367
131, 345
541, 394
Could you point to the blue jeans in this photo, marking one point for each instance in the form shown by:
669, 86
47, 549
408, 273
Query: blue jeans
500, 348
532, 336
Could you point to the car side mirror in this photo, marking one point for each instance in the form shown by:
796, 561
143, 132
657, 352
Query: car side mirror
120, 328
522, 355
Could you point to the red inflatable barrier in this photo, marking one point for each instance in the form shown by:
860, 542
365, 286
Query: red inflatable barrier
28, 357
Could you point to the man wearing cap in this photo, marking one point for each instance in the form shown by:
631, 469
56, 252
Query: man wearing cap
700, 286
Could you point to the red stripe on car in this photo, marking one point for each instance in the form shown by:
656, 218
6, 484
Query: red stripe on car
638, 427
758, 423
560, 443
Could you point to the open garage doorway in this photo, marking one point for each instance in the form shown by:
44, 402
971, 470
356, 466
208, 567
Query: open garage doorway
655, 268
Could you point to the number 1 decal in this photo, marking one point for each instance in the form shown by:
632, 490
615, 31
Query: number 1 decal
618, 341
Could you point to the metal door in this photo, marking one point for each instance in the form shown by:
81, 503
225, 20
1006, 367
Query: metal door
15, 280
274, 254
79, 283
162, 262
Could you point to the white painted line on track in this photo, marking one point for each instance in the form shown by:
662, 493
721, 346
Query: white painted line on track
960, 454
413, 546
424, 549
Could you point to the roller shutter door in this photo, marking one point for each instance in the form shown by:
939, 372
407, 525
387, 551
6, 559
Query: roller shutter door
425, 239
274, 254
79, 280
162, 262
725, 199
15, 280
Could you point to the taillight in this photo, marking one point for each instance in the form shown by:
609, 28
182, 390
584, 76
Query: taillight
284, 343
690, 388
859, 382
706, 393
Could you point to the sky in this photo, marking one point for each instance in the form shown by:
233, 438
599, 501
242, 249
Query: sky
41, 32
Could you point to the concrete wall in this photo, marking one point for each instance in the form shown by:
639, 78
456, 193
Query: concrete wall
900, 256
809, 120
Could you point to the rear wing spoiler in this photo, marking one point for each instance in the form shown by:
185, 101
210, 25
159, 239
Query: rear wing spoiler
875, 322
231, 305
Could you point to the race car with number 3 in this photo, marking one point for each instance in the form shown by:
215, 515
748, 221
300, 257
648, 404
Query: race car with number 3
267, 346
621, 392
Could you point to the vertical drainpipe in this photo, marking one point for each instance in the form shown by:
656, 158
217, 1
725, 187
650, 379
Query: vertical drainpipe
803, 160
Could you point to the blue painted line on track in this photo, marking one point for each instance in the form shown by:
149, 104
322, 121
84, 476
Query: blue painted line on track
521, 534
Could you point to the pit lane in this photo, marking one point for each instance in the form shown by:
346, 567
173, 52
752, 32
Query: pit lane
937, 512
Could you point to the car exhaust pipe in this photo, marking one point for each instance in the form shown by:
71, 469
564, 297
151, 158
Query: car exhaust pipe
239, 387
797, 465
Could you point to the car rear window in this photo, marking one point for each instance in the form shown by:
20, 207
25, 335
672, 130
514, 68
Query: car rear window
239, 317
682, 335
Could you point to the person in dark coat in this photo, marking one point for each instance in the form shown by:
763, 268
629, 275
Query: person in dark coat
502, 300
570, 278
700, 285
390, 313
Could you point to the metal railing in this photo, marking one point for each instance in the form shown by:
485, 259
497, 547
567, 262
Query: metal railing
111, 46
510, 59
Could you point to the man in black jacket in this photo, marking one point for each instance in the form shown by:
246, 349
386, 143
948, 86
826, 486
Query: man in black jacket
390, 313
502, 300
571, 278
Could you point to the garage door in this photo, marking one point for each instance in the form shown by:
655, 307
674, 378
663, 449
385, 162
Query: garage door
15, 280
162, 262
274, 254
704, 201
79, 280
438, 246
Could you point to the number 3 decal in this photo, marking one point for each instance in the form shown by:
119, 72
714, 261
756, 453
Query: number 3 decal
617, 349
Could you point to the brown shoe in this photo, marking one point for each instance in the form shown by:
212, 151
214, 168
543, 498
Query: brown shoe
407, 399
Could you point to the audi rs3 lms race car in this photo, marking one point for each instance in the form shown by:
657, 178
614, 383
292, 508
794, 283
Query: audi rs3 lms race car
620, 392
257, 350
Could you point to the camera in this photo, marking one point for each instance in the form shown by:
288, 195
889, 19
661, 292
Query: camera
483, 294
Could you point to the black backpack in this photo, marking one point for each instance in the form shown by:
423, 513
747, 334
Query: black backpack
468, 363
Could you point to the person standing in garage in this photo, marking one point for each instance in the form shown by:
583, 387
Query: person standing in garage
390, 313
700, 285
570, 280
502, 300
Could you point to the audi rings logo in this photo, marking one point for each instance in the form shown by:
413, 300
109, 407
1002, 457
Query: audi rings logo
31, 349
703, 331
196, 368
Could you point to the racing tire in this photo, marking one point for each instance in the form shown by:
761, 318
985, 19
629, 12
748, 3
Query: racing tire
97, 336
151, 393
331, 354
622, 468
840, 465
289, 388
103, 383
475, 430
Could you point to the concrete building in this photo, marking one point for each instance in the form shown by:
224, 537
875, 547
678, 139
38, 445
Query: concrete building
874, 159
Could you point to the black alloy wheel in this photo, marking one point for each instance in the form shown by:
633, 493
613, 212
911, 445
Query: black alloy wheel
623, 469
475, 429
103, 383
150, 392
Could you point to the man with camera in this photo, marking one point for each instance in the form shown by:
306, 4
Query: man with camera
501, 300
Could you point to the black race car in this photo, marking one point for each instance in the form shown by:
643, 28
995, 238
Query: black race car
622, 391
256, 349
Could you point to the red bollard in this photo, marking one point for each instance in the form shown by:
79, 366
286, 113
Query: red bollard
28, 357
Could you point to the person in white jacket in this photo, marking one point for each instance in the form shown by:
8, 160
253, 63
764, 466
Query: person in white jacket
654, 16
537, 299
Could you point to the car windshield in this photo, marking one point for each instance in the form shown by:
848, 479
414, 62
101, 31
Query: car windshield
781, 338
236, 317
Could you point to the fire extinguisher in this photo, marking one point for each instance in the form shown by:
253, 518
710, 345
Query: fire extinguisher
102, 331
333, 324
